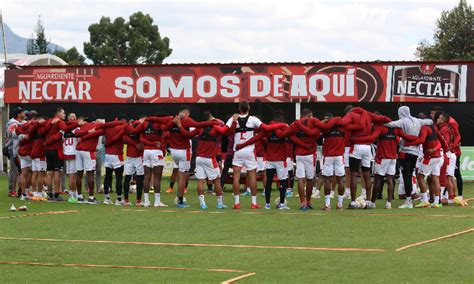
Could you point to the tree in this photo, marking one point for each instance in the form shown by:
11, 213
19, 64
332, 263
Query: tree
71, 56
137, 41
39, 44
453, 38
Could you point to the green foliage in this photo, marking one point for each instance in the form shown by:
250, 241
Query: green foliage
38, 44
453, 38
71, 56
137, 41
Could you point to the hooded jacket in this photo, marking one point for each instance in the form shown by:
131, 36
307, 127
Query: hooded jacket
410, 125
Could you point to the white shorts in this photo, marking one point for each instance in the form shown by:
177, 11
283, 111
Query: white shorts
280, 167
134, 165
346, 156
363, 153
25, 162
153, 158
289, 164
418, 161
333, 166
85, 161
451, 164
261, 162
386, 167
305, 166
182, 157
245, 158
70, 166
113, 161
431, 166
207, 168
38, 165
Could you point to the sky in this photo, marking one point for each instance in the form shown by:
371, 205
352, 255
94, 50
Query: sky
223, 31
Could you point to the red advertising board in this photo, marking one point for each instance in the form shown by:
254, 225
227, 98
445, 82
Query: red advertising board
341, 82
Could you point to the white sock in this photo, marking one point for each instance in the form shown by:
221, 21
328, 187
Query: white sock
236, 199
436, 200
201, 200
157, 198
364, 192
219, 200
328, 199
424, 197
254, 199
147, 197
340, 198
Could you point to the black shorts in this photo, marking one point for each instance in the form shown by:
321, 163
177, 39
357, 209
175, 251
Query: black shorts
53, 162
355, 165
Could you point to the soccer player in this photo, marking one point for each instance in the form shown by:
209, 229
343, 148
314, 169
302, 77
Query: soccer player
38, 157
24, 152
206, 162
18, 118
408, 154
69, 150
245, 157
447, 134
89, 134
54, 147
133, 162
114, 162
385, 159
151, 136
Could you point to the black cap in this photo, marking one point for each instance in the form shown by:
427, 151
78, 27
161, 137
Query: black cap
19, 110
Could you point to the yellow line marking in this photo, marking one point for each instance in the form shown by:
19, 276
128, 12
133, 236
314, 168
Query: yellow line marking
116, 266
235, 279
195, 245
436, 239
40, 214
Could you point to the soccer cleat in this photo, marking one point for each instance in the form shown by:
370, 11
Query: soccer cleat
146, 204
436, 205
139, 203
267, 206
388, 205
221, 206
326, 208
92, 201
255, 206
108, 201
246, 193
236, 206
204, 206
182, 205
423, 204
283, 206
406, 205
316, 194
339, 207
23, 197
72, 200
352, 206
309, 206
80, 200
12, 194
303, 208
371, 205
159, 204
169, 190
59, 199
12, 208
119, 202
127, 203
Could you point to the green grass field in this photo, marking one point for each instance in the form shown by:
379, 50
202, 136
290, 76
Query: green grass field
449, 260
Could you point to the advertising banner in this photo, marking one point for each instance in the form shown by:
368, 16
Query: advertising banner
467, 163
233, 83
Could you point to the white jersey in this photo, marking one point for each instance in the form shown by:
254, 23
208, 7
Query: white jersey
70, 142
245, 132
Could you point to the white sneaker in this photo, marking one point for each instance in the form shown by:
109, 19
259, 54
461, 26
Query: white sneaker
370, 205
283, 206
316, 194
160, 204
406, 205
146, 204
108, 201
388, 205
119, 202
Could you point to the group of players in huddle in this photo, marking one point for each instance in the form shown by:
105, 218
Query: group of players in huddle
428, 148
